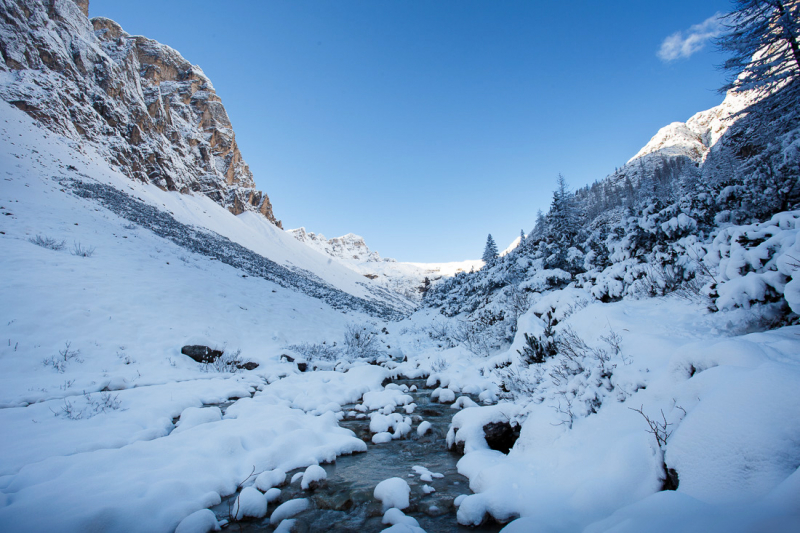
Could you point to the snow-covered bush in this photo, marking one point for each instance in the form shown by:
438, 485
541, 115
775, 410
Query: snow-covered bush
757, 264
575, 380
538, 348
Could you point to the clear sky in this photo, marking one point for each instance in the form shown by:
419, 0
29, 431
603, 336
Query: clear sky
424, 125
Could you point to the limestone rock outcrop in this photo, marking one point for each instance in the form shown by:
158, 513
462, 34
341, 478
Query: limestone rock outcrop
349, 247
143, 106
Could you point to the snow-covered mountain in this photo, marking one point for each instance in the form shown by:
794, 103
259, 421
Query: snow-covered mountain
146, 110
348, 247
407, 279
691, 140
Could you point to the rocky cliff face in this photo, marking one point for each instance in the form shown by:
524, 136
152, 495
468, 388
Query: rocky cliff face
147, 109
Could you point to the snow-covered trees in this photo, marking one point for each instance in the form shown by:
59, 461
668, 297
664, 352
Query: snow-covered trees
490, 251
762, 36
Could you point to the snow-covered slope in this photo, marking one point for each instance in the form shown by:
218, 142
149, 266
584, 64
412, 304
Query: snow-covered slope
194, 222
511, 247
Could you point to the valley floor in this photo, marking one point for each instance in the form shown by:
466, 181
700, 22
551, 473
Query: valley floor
107, 426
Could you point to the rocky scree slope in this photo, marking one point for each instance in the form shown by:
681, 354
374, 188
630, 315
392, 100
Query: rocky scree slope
153, 115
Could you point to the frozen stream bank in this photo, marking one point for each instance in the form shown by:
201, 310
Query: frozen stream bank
345, 501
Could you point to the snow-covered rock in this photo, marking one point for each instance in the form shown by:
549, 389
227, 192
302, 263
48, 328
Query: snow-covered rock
288, 510
313, 476
269, 479
348, 247
250, 503
393, 492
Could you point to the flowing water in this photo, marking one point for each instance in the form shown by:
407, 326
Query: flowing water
345, 502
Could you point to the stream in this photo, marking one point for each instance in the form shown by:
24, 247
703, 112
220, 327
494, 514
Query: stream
345, 502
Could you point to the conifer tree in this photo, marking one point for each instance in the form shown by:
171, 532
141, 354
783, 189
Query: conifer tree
490, 252
763, 37
564, 222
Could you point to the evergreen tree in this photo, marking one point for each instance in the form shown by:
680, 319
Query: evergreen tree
564, 220
490, 252
763, 37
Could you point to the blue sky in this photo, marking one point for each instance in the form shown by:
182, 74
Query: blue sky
425, 125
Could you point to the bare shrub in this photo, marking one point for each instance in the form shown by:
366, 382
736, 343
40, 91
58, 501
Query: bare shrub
438, 365
65, 355
48, 242
361, 340
473, 336
228, 362
321, 351
82, 251
439, 331
94, 406
656, 428
517, 301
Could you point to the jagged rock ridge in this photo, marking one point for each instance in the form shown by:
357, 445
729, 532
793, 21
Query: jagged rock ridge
148, 110
350, 247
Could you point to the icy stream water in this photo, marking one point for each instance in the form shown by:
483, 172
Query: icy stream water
346, 502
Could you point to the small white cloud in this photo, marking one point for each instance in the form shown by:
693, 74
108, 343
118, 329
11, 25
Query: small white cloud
685, 43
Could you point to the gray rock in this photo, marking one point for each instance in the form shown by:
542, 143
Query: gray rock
201, 354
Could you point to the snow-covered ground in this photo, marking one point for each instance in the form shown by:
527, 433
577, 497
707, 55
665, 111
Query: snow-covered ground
107, 426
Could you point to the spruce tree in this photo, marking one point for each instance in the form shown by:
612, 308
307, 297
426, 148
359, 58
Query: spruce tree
490, 252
